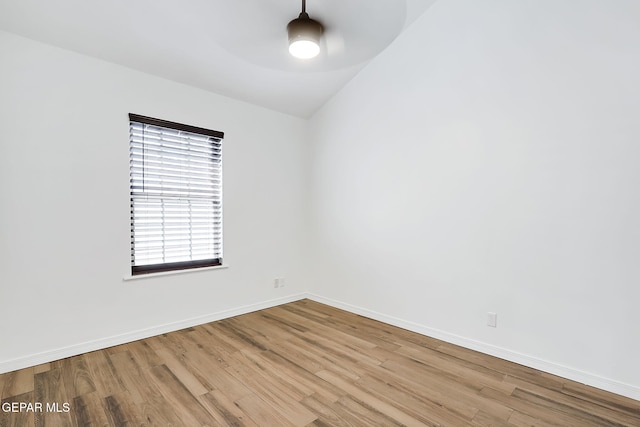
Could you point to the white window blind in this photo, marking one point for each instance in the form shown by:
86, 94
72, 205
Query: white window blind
176, 195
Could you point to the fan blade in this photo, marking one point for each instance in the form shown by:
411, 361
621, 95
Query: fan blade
334, 42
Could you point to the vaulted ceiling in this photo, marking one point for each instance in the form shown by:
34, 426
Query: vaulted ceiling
236, 48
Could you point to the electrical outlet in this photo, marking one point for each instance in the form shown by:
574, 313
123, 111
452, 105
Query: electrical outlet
278, 282
492, 319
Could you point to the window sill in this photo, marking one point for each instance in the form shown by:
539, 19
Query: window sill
171, 273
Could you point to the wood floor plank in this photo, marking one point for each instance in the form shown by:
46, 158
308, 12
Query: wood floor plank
178, 396
88, 410
144, 354
326, 412
3, 380
217, 350
457, 371
522, 420
210, 374
603, 398
331, 356
464, 393
587, 417
511, 369
369, 399
319, 325
18, 382
414, 404
317, 385
127, 374
50, 389
181, 372
439, 401
344, 366
604, 411
254, 325
320, 330
281, 324
302, 364
103, 373
241, 340
19, 418
41, 368
366, 414
116, 349
296, 354
121, 410
312, 309
354, 353
263, 414
156, 412
297, 388
272, 391
485, 419
224, 412
76, 376
143, 391
547, 414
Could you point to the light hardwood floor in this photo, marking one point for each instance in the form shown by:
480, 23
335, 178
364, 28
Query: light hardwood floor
301, 364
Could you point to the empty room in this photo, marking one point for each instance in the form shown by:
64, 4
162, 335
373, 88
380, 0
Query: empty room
320, 213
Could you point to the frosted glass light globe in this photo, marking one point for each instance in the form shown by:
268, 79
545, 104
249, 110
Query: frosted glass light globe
304, 49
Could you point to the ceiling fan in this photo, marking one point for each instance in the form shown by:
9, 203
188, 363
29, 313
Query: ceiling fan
342, 33
304, 35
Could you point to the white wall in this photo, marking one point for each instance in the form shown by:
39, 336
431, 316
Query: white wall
64, 216
488, 161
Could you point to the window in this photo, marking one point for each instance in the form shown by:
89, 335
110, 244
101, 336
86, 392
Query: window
176, 196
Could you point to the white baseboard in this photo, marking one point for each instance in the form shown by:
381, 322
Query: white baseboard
607, 384
74, 350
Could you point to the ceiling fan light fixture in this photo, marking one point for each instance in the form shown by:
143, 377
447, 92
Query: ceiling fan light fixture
304, 36
304, 49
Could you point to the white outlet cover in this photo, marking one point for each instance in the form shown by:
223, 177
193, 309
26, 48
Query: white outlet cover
492, 319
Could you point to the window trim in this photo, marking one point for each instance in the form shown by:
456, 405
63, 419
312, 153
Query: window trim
141, 270
173, 125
